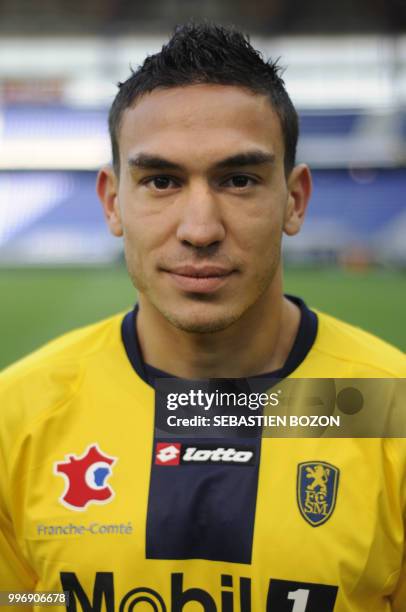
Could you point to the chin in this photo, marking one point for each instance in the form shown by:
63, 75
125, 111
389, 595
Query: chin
200, 320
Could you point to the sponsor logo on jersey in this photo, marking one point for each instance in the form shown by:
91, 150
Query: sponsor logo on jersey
174, 453
231, 592
317, 485
167, 454
86, 478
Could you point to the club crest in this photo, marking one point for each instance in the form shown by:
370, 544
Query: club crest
317, 484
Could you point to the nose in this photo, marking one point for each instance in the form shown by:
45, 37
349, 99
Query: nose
200, 222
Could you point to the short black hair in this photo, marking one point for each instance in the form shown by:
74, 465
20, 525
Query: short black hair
208, 53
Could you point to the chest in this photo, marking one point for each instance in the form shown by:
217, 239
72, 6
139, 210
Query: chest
252, 519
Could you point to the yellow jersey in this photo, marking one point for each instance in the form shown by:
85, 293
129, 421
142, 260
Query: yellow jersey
93, 501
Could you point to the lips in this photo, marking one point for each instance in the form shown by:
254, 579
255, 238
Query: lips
200, 279
201, 272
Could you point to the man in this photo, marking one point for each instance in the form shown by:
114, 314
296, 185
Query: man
98, 499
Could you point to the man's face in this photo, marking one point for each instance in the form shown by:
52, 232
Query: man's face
202, 201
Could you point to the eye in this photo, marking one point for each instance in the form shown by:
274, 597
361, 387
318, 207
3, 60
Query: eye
160, 182
239, 181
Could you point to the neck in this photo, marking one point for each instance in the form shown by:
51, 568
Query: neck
261, 339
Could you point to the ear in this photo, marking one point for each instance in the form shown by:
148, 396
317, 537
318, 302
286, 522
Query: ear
107, 190
299, 188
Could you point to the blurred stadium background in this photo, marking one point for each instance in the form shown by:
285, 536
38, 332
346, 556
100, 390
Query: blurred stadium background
59, 64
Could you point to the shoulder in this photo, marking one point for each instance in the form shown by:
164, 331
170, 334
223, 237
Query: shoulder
53, 373
351, 351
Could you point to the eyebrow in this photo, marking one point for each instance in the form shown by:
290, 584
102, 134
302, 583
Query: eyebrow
144, 161
248, 158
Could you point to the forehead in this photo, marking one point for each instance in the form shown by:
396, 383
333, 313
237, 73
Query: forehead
199, 120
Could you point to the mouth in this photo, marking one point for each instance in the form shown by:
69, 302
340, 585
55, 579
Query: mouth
199, 279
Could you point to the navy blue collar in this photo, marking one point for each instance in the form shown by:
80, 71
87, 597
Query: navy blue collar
304, 341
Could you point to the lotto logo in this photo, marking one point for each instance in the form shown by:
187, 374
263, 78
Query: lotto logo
174, 453
167, 453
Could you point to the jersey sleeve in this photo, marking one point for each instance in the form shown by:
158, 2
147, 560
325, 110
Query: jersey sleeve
15, 572
399, 597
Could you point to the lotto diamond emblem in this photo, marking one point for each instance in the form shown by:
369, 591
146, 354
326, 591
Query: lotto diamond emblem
167, 453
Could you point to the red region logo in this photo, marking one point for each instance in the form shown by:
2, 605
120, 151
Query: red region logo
167, 453
86, 477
